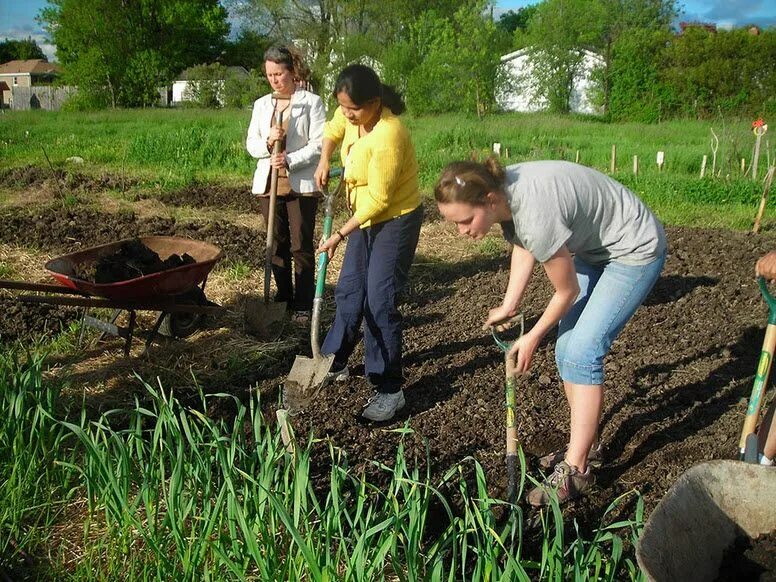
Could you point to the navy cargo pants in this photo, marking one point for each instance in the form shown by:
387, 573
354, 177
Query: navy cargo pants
374, 273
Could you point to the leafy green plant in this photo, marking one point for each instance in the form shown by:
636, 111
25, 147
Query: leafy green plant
237, 270
6, 270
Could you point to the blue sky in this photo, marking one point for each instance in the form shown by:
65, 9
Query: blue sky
17, 17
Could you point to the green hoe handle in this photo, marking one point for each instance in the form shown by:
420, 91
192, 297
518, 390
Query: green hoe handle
323, 262
763, 370
769, 299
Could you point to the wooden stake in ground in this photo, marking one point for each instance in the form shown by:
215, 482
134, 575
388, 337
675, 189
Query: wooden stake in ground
635, 165
759, 128
714, 148
763, 199
613, 167
703, 166
660, 160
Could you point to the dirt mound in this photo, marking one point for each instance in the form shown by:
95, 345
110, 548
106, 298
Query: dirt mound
67, 180
198, 195
20, 321
62, 230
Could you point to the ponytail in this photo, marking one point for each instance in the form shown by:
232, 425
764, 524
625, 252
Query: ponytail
362, 85
469, 182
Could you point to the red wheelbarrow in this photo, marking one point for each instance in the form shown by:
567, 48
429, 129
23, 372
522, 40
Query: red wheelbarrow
177, 293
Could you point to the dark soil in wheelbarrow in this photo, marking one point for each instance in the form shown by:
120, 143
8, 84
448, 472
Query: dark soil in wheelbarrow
677, 378
133, 259
749, 560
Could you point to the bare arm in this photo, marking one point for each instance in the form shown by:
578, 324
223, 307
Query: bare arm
324, 165
561, 273
520, 271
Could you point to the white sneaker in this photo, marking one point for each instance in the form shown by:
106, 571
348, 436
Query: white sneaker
382, 406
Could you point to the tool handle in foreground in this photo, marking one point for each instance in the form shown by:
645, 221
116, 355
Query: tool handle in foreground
769, 299
511, 429
320, 275
758, 389
277, 147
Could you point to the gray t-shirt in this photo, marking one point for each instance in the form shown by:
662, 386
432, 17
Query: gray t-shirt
598, 219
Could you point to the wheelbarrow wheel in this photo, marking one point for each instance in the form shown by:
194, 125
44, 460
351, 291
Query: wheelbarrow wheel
182, 324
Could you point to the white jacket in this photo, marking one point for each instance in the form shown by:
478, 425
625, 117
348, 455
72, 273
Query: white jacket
303, 140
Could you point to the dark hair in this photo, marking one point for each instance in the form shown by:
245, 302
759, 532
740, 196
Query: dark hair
362, 85
291, 57
469, 182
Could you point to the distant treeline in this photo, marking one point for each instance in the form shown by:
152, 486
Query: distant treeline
444, 55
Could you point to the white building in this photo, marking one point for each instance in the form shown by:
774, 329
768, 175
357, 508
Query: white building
181, 87
521, 96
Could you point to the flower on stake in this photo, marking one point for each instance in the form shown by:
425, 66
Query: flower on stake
759, 127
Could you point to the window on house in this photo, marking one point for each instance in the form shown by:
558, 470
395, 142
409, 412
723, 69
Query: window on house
15, 81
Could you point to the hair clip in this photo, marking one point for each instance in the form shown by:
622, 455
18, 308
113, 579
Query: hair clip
460, 182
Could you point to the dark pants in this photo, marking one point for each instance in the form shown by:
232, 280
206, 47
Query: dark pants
294, 237
374, 273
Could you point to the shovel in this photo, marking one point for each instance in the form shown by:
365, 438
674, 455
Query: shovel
308, 374
748, 449
509, 385
261, 317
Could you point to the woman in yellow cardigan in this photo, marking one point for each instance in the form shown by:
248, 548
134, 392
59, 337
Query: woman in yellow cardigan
381, 174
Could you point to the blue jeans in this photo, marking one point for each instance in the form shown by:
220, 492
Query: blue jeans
609, 295
374, 272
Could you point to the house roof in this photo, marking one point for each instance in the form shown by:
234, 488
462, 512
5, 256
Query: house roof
31, 67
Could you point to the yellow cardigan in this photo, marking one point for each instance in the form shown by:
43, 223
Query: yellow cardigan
381, 171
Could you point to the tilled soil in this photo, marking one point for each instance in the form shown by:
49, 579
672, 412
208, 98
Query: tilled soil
677, 378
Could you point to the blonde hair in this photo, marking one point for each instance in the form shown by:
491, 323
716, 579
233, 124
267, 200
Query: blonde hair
469, 182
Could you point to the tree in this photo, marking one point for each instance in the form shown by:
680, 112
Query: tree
105, 44
20, 50
334, 33
560, 30
511, 21
450, 63
728, 71
247, 50
558, 34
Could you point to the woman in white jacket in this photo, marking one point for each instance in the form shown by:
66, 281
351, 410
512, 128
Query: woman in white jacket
301, 131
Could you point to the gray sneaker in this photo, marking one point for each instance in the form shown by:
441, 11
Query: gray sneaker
382, 406
595, 458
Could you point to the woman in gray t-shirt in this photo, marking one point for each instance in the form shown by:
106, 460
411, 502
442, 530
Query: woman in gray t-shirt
601, 248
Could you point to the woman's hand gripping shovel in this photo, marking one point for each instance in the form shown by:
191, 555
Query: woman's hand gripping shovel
510, 383
748, 446
308, 374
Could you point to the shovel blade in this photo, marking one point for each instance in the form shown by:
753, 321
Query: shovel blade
307, 376
261, 318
